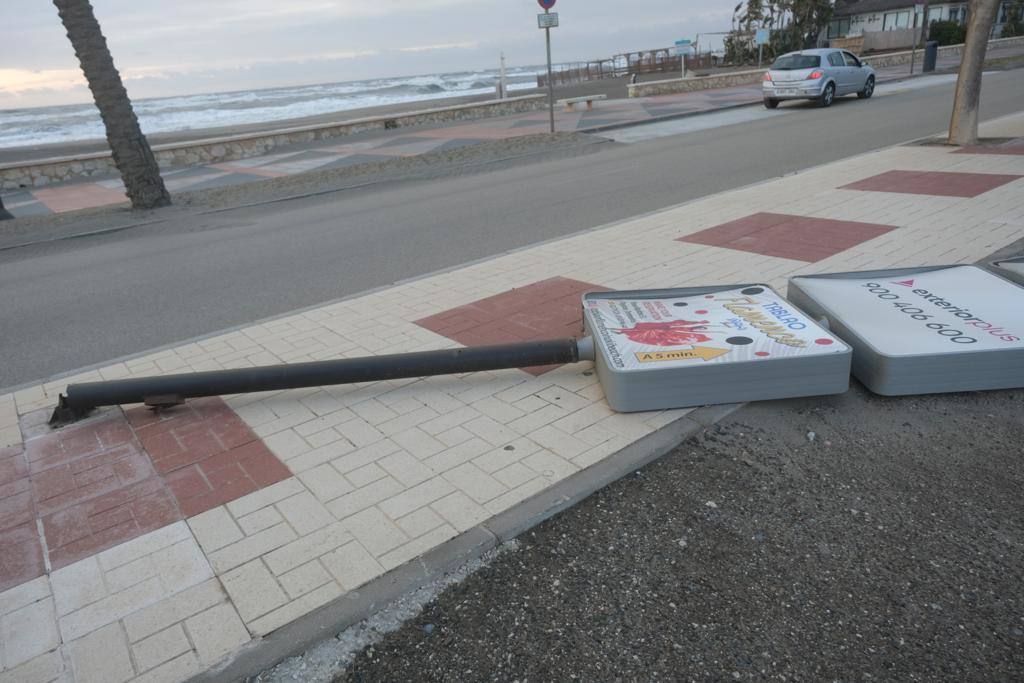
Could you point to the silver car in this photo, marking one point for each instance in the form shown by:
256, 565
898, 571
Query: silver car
820, 75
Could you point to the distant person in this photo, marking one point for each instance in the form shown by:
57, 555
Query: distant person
633, 79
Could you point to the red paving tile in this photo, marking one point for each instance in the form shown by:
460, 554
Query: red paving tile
190, 445
115, 477
21, 552
21, 555
935, 183
549, 309
785, 236
80, 196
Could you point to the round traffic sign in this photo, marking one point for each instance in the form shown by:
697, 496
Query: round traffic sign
546, 4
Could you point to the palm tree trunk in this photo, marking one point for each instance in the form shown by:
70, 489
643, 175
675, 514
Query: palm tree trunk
129, 147
963, 128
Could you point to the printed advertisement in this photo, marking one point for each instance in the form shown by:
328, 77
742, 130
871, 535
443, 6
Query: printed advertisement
943, 311
749, 324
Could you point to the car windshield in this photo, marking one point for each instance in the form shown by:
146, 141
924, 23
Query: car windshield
793, 62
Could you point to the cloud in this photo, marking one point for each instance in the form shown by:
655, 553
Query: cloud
192, 46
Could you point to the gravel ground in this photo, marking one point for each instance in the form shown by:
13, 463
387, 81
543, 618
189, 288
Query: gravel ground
848, 537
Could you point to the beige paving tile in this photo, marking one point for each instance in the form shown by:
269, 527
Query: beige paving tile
102, 656
160, 647
28, 632
216, 632
352, 565
306, 548
173, 609
43, 669
375, 531
251, 547
253, 590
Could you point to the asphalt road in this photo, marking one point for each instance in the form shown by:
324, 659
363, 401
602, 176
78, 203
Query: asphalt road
71, 303
888, 548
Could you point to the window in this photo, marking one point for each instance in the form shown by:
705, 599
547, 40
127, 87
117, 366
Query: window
838, 28
934, 14
851, 60
796, 61
836, 59
894, 20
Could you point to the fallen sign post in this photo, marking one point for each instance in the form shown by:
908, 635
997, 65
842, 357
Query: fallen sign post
923, 330
654, 350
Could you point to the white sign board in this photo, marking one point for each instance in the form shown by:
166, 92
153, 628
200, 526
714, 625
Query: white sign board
656, 349
943, 311
925, 330
547, 20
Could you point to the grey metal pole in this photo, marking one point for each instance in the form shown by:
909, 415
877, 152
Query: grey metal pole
551, 82
913, 46
760, 54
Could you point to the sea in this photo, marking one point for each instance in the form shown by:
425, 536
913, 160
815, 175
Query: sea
71, 123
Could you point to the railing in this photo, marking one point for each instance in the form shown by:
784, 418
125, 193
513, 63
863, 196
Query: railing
646, 62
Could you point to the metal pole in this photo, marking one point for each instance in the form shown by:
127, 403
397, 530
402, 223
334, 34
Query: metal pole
913, 47
502, 78
924, 33
551, 83
760, 54
174, 389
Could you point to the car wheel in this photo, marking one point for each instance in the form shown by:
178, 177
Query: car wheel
828, 95
869, 89
771, 103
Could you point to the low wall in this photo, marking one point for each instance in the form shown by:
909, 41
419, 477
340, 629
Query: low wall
45, 171
896, 39
682, 85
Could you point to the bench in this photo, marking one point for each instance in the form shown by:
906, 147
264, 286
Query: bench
589, 99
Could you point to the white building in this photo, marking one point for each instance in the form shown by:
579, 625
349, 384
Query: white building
854, 17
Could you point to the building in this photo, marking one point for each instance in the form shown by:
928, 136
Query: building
856, 17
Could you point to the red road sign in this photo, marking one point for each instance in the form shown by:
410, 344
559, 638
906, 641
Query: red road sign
546, 4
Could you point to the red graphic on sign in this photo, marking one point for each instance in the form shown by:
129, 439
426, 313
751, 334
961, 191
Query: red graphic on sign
673, 333
546, 4
905, 283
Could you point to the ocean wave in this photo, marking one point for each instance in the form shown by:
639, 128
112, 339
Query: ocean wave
69, 123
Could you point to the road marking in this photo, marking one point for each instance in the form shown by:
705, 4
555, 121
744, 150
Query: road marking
650, 131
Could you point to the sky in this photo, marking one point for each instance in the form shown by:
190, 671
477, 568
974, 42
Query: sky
178, 47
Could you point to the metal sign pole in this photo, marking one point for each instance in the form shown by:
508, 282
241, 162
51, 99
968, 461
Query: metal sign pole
551, 83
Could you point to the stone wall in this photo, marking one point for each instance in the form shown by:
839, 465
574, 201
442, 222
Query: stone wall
681, 85
45, 171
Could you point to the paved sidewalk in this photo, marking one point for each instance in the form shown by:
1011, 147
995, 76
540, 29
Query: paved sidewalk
156, 547
376, 147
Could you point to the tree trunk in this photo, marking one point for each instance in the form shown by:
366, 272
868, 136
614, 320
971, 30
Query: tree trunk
131, 152
963, 128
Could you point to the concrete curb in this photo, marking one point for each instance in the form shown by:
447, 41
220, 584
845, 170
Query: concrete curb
336, 616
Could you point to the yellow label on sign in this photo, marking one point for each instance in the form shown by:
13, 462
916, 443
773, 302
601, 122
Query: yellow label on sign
701, 352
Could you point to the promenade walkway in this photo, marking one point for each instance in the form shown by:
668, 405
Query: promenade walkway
221, 535
375, 147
